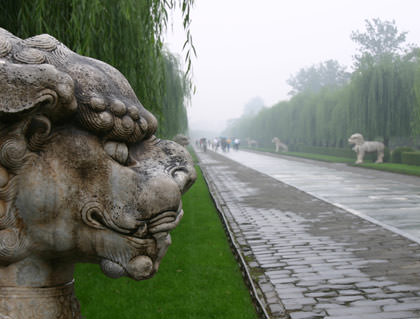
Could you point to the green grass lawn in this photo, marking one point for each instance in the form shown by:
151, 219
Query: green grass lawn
198, 278
394, 168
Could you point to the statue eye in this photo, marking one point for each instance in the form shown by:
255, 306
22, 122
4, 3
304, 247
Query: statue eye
118, 151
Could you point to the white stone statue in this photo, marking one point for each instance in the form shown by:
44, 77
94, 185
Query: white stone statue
361, 147
252, 143
279, 145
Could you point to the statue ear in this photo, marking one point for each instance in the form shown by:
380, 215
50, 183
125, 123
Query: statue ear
25, 88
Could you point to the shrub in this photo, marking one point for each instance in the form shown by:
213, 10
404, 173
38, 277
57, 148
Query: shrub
410, 158
396, 154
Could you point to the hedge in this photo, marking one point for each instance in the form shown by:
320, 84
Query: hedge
410, 158
396, 154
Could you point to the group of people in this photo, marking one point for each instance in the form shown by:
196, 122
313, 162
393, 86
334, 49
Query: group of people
225, 143
202, 143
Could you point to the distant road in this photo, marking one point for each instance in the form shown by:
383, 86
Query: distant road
388, 198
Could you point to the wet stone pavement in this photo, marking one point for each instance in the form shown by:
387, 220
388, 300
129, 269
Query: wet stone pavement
309, 258
392, 199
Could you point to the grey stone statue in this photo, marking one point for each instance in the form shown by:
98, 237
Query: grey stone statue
82, 177
181, 139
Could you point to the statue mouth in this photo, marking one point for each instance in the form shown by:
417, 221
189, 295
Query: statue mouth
166, 221
150, 241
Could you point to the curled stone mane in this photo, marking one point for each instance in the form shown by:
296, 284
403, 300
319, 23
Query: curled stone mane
16, 151
105, 103
91, 94
82, 177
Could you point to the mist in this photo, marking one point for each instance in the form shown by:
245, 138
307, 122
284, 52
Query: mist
247, 49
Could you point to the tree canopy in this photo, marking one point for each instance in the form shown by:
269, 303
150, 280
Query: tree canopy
253, 106
380, 39
380, 99
128, 34
315, 77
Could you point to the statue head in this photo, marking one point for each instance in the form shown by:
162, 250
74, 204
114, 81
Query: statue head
181, 139
82, 176
356, 139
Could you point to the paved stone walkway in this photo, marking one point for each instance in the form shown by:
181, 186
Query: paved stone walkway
392, 199
309, 258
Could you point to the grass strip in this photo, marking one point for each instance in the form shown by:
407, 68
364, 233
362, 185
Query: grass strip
393, 167
198, 278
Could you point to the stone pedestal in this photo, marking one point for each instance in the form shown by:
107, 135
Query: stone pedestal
47, 303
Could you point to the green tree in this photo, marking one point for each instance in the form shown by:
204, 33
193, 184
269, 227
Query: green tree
383, 73
380, 39
315, 77
177, 93
253, 106
128, 34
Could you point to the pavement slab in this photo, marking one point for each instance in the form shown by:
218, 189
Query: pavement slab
310, 258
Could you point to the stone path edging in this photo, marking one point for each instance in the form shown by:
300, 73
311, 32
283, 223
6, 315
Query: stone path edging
260, 306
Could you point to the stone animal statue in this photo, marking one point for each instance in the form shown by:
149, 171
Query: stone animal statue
82, 177
279, 145
181, 139
361, 147
252, 143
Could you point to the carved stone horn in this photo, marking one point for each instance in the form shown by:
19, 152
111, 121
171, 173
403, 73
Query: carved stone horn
39, 88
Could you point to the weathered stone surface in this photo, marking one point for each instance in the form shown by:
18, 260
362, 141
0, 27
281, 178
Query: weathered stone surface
82, 177
347, 267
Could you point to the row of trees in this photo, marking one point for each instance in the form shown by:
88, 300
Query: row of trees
380, 99
128, 34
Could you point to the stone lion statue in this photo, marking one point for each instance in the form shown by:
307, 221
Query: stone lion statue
252, 143
82, 177
181, 139
361, 147
279, 145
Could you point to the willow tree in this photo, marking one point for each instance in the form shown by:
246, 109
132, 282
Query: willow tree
379, 66
380, 39
312, 79
127, 34
381, 100
176, 97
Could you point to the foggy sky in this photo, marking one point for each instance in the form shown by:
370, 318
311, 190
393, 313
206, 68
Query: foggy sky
249, 48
